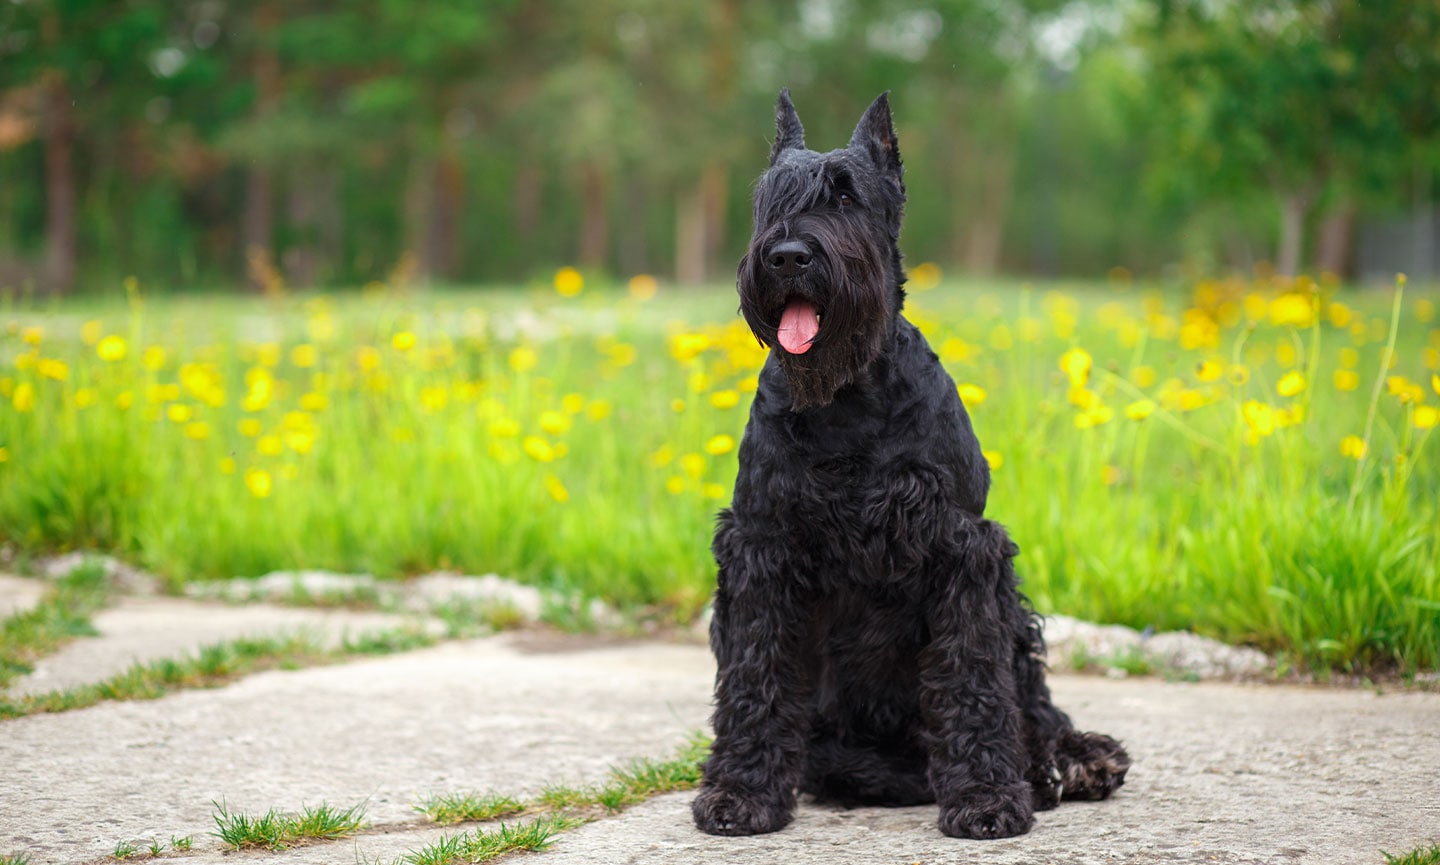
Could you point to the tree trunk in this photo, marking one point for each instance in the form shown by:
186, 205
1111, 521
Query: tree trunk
258, 232
690, 235
60, 245
445, 217
634, 237
300, 212
713, 192
419, 207
1293, 208
595, 218
1336, 236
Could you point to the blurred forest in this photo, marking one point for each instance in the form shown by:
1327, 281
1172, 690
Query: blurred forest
216, 143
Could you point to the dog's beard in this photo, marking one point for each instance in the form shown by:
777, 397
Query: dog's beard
848, 287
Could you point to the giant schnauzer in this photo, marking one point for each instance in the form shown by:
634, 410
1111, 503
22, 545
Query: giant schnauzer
873, 646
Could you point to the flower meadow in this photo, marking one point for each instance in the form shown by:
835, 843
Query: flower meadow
1248, 459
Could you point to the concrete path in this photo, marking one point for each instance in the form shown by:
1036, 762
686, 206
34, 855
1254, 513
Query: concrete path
1223, 773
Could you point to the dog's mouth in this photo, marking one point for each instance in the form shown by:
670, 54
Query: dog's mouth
799, 324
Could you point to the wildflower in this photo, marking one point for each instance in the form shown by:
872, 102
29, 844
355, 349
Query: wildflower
677, 405
956, 350
1239, 374
313, 401
698, 381
403, 340
433, 398
304, 355
1259, 418
179, 412
538, 449
1140, 409
198, 430
598, 410
555, 423
300, 441
994, 458
724, 399
693, 465
971, 394
1292, 309
1354, 447
86, 397
258, 482
713, 491
1404, 389
720, 445
227, 466
367, 358
675, 485
1435, 382
1076, 363
523, 359
503, 428
685, 347
32, 335
572, 403
4, 454
1209, 370
569, 282
1097, 414
642, 286
153, 358
1340, 315
53, 369
556, 489
124, 399
250, 427
270, 445
1286, 355
1346, 379
1291, 383
1143, 376
111, 348
1426, 417
662, 456
925, 276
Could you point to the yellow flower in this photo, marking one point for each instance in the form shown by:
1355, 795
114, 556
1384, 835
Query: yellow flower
569, 282
227, 466
720, 445
1435, 382
523, 359
663, 456
86, 397
314, 401
1209, 370
198, 430
693, 465
367, 358
124, 399
433, 398
1353, 447
1291, 383
53, 369
971, 394
1426, 416
4, 455
713, 491
538, 449
642, 286
1349, 357
1095, 415
250, 427
270, 446
1259, 417
598, 410
675, 485
555, 423
179, 412
1140, 409
556, 489
573, 403
1143, 376
258, 482
677, 405
723, 399
304, 356
300, 441
111, 348
32, 335
153, 358
925, 276
1404, 389
403, 340
1075, 363
994, 458
1292, 309
1239, 374
1346, 379
503, 428
685, 347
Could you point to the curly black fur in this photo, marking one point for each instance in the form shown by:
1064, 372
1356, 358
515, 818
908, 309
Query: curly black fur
872, 644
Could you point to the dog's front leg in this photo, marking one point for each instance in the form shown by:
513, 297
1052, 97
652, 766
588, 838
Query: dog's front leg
761, 690
971, 713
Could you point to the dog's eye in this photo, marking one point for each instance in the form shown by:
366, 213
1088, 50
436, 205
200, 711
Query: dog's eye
844, 199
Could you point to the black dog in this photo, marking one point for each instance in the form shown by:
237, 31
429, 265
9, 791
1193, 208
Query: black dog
873, 647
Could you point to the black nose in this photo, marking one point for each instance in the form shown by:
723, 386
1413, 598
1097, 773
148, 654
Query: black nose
788, 258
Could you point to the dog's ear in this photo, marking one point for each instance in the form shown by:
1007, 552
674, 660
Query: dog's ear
875, 135
789, 134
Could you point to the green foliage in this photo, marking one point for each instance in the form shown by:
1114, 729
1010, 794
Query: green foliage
1422, 855
275, 830
468, 807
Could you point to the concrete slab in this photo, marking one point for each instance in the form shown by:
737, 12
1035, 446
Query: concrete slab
18, 594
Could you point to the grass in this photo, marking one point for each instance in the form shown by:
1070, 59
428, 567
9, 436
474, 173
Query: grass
275, 830
1422, 855
1250, 460
60, 616
484, 846
211, 666
468, 807
17, 859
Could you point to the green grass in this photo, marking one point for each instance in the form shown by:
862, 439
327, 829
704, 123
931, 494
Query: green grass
468, 807
60, 616
1422, 855
214, 665
584, 445
16, 859
275, 830
487, 845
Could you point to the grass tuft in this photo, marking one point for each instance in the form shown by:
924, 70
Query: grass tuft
1422, 855
483, 846
469, 807
62, 615
275, 831
15, 859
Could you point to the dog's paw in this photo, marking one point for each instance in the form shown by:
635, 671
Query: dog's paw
719, 811
999, 813
1047, 785
1092, 765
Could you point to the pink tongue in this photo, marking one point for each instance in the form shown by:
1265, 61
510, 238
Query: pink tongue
798, 326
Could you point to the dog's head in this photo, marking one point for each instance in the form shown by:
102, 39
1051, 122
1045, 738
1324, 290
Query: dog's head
821, 281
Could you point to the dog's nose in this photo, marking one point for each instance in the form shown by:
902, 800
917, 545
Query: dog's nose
788, 257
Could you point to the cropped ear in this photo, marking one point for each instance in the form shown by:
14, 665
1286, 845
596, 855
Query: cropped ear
789, 134
875, 135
